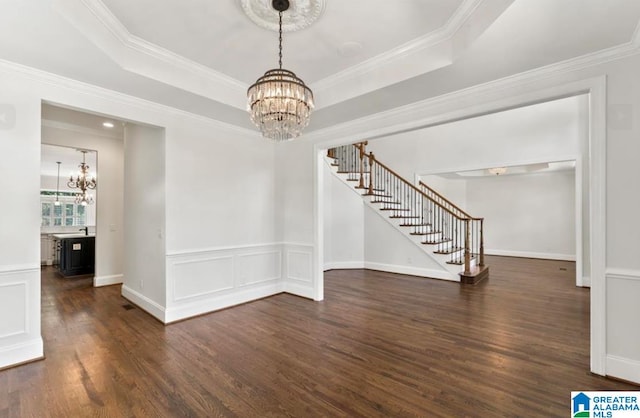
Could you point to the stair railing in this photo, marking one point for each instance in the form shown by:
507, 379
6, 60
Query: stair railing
425, 211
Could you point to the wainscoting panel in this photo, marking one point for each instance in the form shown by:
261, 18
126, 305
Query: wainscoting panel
203, 281
623, 357
259, 267
202, 276
20, 339
13, 300
298, 278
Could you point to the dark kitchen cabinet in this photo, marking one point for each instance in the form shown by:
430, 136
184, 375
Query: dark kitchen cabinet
77, 256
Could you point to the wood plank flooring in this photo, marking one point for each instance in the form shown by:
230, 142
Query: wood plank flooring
380, 345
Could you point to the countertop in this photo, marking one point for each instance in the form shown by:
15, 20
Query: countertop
78, 235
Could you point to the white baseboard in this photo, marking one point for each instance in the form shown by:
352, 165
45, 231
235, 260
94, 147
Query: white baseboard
219, 301
339, 265
151, 307
586, 281
108, 280
299, 289
529, 254
413, 271
21, 353
623, 368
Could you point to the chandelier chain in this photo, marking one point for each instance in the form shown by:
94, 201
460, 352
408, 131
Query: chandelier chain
280, 40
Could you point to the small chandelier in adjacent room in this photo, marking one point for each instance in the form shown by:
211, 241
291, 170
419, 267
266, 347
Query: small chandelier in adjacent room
83, 183
279, 103
498, 171
57, 202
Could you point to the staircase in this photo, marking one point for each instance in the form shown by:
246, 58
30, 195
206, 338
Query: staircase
452, 237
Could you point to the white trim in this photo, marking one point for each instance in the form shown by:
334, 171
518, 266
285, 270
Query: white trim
418, 56
20, 268
597, 147
175, 253
131, 53
79, 129
623, 368
343, 265
586, 281
22, 352
299, 289
222, 301
578, 224
99, 281
146, 304
623, 274
412, 271
102, 93
529, 254
318, 222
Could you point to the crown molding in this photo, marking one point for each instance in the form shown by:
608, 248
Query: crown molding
123, 99
427, 53
100, 26
78, 129
411, 116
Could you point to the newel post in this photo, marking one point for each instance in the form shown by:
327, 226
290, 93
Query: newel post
481, 242
467, 253
372, 159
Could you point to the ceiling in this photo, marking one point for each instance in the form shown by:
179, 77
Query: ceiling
360, 57
70, 157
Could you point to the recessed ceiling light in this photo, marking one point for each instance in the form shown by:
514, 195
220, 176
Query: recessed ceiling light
108, 124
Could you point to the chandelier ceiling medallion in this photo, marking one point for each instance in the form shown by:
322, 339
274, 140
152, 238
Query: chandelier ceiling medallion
83, 183
279, 102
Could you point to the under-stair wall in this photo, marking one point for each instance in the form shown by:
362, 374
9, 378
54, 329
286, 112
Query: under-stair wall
450, 237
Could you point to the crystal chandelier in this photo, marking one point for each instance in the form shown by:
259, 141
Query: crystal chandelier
83, 183
279, 102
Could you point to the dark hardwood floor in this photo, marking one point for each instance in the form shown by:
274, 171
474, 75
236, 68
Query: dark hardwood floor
379, 345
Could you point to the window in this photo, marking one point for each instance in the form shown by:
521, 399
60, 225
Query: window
68, 213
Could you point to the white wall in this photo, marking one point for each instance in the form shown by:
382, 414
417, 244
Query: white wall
386, 249
220, 203
108, 196
144, 220
455, 190
344, 225
530, 215
20, 338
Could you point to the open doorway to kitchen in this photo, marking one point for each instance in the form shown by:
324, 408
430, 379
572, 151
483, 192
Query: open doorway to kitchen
68, 181
82, 235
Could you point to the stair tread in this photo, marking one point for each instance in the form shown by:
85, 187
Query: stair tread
426, 233
459, 261
449, 250
404, 217
396, 209
440, 241
416, 225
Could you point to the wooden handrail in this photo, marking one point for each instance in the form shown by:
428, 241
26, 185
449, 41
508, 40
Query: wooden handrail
445, 199
420, 191
470, 234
